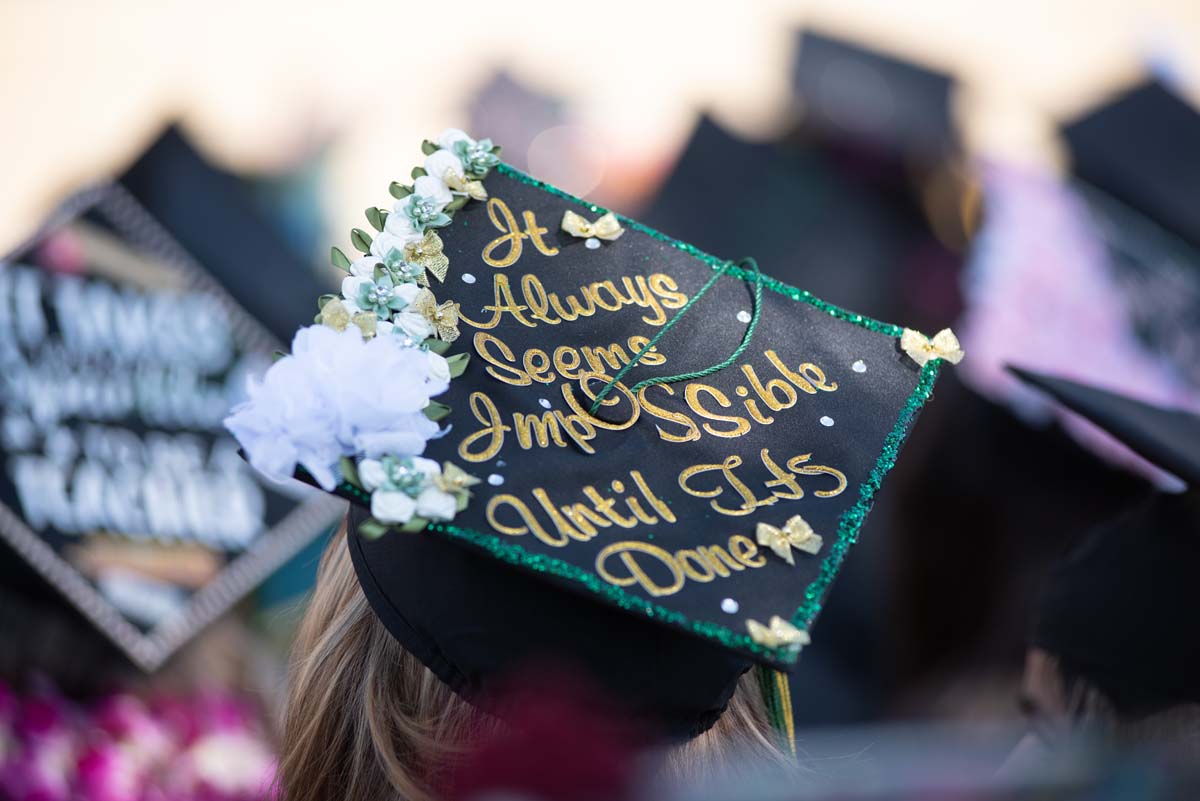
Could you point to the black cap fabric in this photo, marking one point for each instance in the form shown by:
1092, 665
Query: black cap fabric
1143, 148
1120, 611
1169, 438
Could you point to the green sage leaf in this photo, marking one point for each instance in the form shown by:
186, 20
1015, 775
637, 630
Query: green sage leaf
361, 240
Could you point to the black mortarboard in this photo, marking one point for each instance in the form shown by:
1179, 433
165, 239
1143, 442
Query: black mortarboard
847, 90
675, 539
121, 354
1143, 149
1117, 610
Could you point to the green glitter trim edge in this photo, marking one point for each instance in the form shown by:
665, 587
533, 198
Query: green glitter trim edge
848, 526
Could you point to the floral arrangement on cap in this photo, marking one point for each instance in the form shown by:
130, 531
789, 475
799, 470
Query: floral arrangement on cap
353, 402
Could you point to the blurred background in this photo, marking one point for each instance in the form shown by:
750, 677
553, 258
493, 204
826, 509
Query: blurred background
1025, 172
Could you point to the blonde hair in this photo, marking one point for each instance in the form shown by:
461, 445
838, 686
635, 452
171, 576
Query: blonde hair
366, 721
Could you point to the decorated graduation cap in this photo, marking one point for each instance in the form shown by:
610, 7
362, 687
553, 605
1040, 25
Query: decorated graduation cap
1117, 610
569, 437
120, 355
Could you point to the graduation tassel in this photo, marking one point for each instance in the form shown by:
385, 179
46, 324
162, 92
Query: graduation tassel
777, 695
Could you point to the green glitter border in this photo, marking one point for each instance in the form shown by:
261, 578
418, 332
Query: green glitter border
848, 526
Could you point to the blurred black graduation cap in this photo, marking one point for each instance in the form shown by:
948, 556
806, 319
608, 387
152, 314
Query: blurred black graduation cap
210, 213
171, 224
1119, 611
853, 92
1143, 148
1136, 161
833, 206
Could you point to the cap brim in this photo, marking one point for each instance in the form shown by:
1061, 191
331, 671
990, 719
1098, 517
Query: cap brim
1168, 438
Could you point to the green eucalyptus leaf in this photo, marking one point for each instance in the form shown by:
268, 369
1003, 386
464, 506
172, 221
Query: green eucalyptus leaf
361, 240
436, 411
349, 471
339, 259
462, 499
277, 355
437, 346
372, 529
415, 525
380, 272
317, 319
456, 204
374, 219
429, 148
399, 190
321, 301
458, 364
418, 172
383, 215
496, 151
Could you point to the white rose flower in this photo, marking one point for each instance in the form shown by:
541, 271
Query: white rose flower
414, 325
435, 504
441, 162
389, 243
432, 188
448, 137
439, 368
392, 507
365, 266
377, 444
371, 474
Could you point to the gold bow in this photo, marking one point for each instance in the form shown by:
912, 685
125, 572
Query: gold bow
334, 315
921, 349
796, 533
779, 634
428, 254
456, 481
460, 183
606, 227
444, 317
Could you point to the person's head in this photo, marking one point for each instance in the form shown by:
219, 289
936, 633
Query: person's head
365, 719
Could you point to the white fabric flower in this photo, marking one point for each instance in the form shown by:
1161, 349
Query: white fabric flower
398, 231
371, 474
448, 137
439, 368
414, 325
392, 507
364, 267
435, 504
336, 395
432, 188
439, 162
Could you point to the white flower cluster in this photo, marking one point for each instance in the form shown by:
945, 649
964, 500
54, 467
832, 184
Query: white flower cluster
339, 394
352, 390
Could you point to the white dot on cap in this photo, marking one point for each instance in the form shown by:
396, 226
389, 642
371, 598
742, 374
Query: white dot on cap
730, 606
592, 243
468, 278
545, 404
495, 479
743, 316
827, 421
859, 366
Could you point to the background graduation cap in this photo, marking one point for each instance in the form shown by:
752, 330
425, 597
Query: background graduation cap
1136, 161
1118, 610
111, 419
852, 92
674, 540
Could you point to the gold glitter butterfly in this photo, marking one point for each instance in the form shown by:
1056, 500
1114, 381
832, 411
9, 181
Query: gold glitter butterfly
796, 533
780, 634
606, 227
428, 254
444, 317
456, 481
460, 183
921, 349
